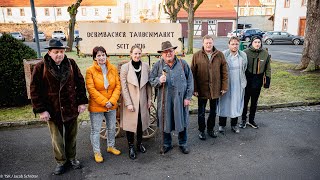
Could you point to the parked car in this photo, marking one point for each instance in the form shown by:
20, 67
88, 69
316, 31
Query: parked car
41, 36
234, 33
246, 34
59, 35
271, 37
18, 36
76, 34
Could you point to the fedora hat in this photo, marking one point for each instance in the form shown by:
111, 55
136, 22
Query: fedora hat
56, 44
166, 45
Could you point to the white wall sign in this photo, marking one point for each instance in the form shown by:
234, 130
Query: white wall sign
119, 38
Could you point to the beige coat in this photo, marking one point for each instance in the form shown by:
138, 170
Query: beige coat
133, 94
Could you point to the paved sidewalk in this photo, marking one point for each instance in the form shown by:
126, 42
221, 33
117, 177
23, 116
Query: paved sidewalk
286, 146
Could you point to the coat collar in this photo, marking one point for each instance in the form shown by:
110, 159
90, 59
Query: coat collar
214, 51
132, 77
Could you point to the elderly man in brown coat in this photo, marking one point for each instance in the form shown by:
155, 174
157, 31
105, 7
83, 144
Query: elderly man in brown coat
209, 69
58, 94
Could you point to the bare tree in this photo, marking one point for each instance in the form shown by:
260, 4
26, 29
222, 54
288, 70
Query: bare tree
188, 5
310, 60
172, 8
73, 10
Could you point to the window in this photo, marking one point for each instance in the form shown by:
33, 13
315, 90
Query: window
22, 12
109, 11
268, 11
304, 2
241, 11
284, 34
197, 22
251, 12
127, 10
9, 12
46, 12
83, 11
212, 22
59, 12
284, 24
286, 3
96, 11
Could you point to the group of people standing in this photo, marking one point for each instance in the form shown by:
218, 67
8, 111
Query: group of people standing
227, 79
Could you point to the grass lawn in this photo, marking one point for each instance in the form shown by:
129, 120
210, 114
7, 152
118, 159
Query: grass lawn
287, 86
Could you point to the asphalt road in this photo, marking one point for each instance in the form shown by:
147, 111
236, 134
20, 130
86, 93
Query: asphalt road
280, 52
286, 146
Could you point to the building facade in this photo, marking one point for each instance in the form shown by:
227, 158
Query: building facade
133, 11
215, 18
290, 16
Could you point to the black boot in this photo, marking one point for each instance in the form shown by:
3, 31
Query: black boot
132, 152
141, 148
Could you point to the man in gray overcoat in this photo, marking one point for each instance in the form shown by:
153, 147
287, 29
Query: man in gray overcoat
172, 77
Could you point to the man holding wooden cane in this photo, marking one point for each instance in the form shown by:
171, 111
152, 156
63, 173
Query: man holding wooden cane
175, 88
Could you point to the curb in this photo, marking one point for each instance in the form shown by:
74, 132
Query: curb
191, 111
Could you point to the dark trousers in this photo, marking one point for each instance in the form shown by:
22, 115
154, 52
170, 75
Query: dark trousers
63, 143
223, 121
202, 114
182, 138
254, 94
130, 135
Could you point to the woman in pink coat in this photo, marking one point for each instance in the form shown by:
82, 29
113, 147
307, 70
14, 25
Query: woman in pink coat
136, 99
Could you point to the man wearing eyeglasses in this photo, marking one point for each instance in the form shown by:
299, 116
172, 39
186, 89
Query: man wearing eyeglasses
172, 78
231, 104
209, 69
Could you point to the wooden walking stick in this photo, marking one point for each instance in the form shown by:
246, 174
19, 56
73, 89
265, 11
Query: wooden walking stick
164, 72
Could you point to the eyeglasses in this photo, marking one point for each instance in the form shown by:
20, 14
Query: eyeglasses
168, 51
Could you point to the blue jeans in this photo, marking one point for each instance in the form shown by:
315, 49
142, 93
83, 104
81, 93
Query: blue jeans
202, 114
96, 122
182, 137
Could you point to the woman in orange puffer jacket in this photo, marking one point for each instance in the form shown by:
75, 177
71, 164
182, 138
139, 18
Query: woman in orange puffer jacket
103, 85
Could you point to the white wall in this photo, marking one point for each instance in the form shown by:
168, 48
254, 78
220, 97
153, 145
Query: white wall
293, 13
117, 12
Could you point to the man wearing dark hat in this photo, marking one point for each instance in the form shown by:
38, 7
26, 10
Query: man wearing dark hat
58, 94
172, 78
258, 74
209, 68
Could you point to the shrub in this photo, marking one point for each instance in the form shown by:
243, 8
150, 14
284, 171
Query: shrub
13, 90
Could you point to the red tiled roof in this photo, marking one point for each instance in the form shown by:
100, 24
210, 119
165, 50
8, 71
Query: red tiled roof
212, 9
55, 3
251, 3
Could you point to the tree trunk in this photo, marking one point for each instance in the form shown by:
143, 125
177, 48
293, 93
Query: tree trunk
72, 23
190, 27
311, 55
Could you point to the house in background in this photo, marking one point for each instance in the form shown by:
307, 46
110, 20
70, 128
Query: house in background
19, 11
215, 18
256, 13
290, 16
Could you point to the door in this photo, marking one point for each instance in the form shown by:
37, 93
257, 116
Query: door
302, 27
204, 29
224, 28
184, 28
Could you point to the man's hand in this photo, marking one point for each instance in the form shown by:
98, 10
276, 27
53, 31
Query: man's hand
223, 92
196, 94
81, 108
163, 79
45, 116
186, 102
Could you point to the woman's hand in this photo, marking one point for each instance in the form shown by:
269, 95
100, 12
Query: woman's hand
108, 104
130, 108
